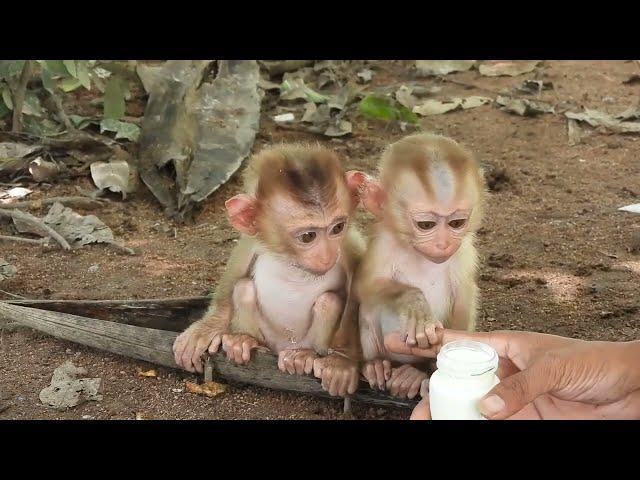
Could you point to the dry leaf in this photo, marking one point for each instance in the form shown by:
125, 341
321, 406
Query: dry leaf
116, 176
210, 389
574, 132
443, 67
596, 118
67, 391
148, 373
509, 69
435, 107
143, 416
15, 193
404, 96
524, 107
365, 75
474, 101
6, 270
635, 208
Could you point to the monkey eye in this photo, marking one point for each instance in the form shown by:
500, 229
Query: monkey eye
427, 225
307, 237
337, 228
459, 223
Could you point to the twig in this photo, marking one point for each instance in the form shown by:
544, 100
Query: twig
80, 202
22, 239
18, 96
470, 85
122, 248
36, 222
57, 101
12, 294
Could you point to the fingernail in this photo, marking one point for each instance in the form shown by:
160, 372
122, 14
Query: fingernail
491, 405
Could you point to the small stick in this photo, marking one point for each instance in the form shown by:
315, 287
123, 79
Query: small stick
28, 218
12, 294
81, 202
9, 238
346, 409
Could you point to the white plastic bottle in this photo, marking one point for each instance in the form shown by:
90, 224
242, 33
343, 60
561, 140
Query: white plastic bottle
465, 374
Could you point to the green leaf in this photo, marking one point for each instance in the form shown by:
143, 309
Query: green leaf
81, 122
4, 110
57, 68
70, 84
114, 105
6, 98
83, 74
11, 68
122, 129
70, 66
383, 109
31, 105
47, 80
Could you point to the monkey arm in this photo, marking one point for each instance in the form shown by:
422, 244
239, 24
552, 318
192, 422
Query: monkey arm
238, 266
465, 307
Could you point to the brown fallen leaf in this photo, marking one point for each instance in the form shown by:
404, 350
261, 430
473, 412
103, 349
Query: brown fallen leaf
508, 69
210, 389
143, 416
148, 373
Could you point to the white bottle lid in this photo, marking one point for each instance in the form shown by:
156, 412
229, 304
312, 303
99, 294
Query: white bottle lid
467, 358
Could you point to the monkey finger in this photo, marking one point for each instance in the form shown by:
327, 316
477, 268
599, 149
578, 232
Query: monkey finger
334, 385
326, 379
354, 380
346, 383
414, 388
318, 367
299, 362
422, 340
369, 373
411, 330
187, 355
246, 351
237, 352
386, 365
432, 335
379, 368
281, 361
394, 385
424, 388
215, 344
308, 364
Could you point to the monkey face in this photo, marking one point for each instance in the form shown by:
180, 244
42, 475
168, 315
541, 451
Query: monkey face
436, 231
311, 236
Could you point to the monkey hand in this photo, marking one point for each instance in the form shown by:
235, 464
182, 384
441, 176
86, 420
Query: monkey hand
419, 325
191, 344
339, 374
377, 372
406, 381
238, 347
297, 361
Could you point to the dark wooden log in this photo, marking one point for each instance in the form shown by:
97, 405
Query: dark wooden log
173, 314
155, 346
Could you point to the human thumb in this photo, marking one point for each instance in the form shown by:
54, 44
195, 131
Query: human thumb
513, 393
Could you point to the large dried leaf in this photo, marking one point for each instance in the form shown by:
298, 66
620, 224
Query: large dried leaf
596, 118
77, 229
201, 130
443, 67
117, 176
66, 390
436, 107
574, 132
296, 89
322, 121
6, 270
508, 69
209, 389
524, 107
14, 156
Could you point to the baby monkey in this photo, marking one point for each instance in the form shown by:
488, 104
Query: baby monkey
419, 272
288, 280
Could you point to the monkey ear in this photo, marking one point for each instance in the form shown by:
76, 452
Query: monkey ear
368, 190
242, 213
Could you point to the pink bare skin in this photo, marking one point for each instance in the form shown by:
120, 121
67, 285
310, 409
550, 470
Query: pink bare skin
550, 377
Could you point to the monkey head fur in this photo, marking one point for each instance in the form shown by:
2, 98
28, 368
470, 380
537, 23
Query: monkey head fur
430, 192
297, 204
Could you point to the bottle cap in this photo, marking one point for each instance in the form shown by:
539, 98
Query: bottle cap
467, 358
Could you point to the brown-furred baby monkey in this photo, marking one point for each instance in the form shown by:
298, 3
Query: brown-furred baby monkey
288, 280
419, 271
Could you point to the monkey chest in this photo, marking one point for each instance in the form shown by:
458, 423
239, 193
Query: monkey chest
286, 294
435, 284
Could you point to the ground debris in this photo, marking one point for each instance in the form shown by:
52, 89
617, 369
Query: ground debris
67, 391
209, 389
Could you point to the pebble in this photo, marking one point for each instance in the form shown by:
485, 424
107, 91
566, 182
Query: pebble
93, 269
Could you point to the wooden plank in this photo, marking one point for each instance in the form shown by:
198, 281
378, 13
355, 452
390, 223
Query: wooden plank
173, 314
155, 346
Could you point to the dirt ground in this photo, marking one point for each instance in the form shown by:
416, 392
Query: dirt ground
557, 255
